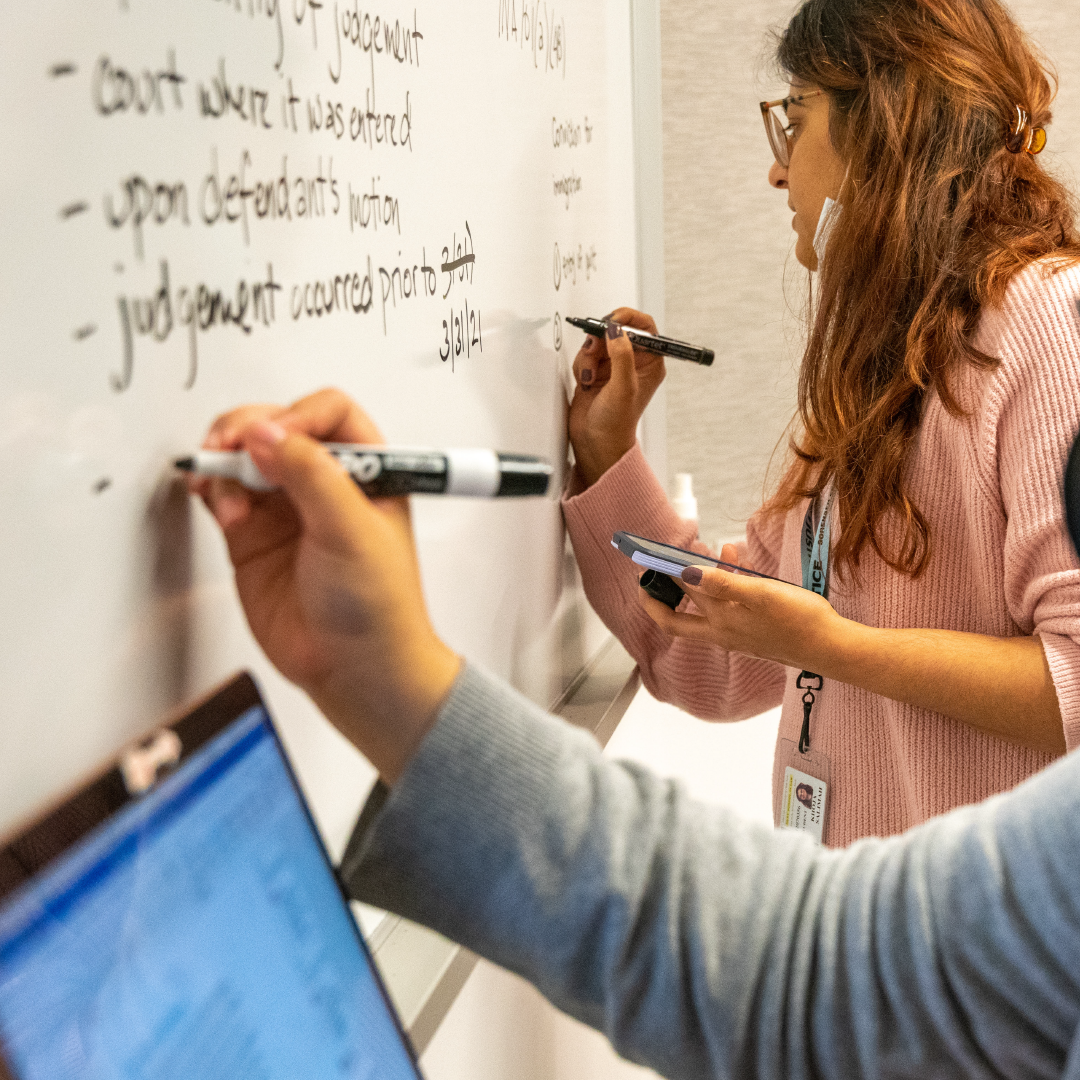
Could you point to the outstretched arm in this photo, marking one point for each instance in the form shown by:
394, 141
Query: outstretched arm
699, 944
705, 946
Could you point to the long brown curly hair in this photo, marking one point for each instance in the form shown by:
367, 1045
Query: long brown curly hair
938, 217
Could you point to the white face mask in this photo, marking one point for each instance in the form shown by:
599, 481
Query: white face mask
830, 214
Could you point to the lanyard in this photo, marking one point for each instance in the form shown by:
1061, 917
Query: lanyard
815, 577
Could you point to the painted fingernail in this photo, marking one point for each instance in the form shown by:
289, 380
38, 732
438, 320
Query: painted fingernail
691, 575
588, 344
267, 432
614, 330
586, 377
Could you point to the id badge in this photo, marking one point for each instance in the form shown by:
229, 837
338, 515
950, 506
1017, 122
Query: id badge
804, 791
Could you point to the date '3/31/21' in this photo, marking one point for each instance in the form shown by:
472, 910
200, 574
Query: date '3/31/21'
461, 334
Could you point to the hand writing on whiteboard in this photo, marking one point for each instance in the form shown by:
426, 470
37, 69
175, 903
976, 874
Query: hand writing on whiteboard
614, 384
329, 579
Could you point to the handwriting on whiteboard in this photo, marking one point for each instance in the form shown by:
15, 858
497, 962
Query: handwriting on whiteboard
534, 27
287, 152
250, 304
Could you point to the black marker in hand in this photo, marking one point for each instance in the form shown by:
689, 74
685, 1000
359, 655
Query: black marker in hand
642, 339
385, 471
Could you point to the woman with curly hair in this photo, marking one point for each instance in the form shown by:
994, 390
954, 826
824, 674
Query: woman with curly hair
933, 656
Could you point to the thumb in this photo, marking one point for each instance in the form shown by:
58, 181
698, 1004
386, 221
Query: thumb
322, 493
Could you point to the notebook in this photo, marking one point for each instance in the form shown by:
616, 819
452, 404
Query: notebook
178, 917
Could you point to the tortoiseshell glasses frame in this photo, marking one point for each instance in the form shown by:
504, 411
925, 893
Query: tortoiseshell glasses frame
777, 129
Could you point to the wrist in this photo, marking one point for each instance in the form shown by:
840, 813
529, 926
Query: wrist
839, 647
593, 462
387, 716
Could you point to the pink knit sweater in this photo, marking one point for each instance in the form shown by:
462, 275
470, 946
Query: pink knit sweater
1001, 563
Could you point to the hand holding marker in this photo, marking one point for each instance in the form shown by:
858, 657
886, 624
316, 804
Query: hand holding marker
384, 471
642, 339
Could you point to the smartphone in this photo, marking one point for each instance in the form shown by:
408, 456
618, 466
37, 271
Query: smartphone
667, 559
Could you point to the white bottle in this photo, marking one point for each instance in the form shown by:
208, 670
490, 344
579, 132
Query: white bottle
684, 503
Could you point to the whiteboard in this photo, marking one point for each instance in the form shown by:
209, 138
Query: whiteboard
226, 201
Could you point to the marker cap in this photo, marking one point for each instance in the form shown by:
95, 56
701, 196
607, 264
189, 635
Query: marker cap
520, 475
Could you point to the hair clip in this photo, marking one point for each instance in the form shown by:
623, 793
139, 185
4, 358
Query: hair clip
1023, 138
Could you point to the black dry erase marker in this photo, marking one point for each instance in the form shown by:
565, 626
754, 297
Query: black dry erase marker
642, 339
387, 470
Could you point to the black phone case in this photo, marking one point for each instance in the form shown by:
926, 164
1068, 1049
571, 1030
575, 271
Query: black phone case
661, 587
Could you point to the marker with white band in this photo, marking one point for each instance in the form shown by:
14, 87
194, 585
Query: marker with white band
382, 471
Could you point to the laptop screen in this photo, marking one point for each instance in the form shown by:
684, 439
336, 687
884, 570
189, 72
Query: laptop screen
197, 932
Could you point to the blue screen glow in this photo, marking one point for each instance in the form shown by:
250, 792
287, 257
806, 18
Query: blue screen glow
197, 934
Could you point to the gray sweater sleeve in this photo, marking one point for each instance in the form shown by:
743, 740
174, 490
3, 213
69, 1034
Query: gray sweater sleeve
705, 946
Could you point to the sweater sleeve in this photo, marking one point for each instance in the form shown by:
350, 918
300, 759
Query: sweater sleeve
1029, 427
703, 946
700, 678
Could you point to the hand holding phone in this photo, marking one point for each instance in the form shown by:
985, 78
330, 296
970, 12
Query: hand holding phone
665, 562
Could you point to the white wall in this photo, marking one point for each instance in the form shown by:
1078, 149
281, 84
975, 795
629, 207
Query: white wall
728, 242
722, 764
500, 1028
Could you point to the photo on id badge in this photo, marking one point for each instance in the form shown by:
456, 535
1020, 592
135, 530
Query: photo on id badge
804, 792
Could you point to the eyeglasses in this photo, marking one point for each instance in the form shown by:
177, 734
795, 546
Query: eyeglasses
776, 125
